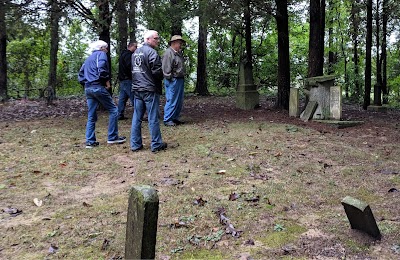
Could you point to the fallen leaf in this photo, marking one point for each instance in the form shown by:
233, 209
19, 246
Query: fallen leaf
253, 199
234, 196
179, 224
393, 190
38, 202
200, 202
12, 211
86, 204
105, 244
249, 242
53, 249
253, 153
231, 159
221, 172
278, 154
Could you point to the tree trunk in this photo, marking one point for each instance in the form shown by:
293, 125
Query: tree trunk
282, 22
132, 21
385, 89
3, 53
354, 33
368, 71
331, 55
55, 15
247, 23
201, 83
176, 18
122, 15
378, 85
322, 36
104, 24
315, 45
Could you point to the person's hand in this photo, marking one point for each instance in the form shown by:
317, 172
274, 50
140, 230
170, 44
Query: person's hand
108, 85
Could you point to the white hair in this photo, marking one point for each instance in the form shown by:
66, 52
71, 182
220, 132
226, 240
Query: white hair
97, 45
149, 34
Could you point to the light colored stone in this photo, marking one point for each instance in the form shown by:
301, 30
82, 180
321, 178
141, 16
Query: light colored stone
335, 103
294, 102
247, 96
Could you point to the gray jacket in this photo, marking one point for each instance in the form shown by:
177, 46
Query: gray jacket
173, 64
146, 70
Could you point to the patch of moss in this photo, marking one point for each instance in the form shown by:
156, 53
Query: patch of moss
355, 246
202, 254
277, 239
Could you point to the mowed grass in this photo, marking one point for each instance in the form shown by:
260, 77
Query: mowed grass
288, 182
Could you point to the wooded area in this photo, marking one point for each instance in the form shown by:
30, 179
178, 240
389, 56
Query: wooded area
43, 43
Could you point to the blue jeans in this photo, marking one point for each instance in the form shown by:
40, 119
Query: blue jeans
174, 90
145, 101
125, 93
96, 95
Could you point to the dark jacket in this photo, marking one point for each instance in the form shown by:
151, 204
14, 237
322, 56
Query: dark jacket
125, 63
95, 70
146, 70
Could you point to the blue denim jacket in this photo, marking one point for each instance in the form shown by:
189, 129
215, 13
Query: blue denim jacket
95, 70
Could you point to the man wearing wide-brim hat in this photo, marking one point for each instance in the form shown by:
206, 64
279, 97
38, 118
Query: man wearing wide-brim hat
173, 66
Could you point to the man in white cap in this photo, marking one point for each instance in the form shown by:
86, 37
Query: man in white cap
173, 66
95, 76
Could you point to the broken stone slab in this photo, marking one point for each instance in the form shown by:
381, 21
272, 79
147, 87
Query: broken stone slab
340, 124
309, 111
381, 109
360, 216
294, 110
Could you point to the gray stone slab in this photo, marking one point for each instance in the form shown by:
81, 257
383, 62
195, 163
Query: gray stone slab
247, 96
294, 102
340, 124
309, 111
335, 102
141, 226
360, 216
381, 109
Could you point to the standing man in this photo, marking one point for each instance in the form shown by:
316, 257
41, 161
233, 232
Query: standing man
147, 87
95, 76
125, 78
173, 66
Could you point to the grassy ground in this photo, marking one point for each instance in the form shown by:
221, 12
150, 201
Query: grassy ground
286, 183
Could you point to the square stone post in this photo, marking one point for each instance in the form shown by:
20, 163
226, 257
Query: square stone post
141, 225
336, 102
247, 96
294, 109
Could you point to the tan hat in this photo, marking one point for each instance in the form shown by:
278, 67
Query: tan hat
176, 38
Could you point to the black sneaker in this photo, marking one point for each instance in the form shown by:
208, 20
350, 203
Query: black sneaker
122, 117
119, 140
178, 122
163, 146
92, 145
138, 149
169, 123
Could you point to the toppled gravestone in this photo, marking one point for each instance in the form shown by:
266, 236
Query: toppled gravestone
360, 216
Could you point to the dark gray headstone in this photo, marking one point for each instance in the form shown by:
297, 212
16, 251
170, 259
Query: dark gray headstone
294, 102
141, 226
360, 216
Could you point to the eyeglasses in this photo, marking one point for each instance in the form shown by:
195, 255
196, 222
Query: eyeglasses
156, 38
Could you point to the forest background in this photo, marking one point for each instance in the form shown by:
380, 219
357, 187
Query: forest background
43, 43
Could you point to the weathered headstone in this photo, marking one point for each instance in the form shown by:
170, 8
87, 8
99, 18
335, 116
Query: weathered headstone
141, 226
247, 96
294, 102
318, 89
309, 111
360, 216
335, 102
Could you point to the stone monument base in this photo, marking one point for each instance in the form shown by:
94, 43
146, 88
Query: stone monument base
247, 100
373, 108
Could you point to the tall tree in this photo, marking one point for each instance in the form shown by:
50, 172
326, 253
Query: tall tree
355, 25
385, 15
122, 14
378, 84
176, 16
132, 20
282, 22
331, 54
3, 51
201, 82
55, 15
316, 44
368, 47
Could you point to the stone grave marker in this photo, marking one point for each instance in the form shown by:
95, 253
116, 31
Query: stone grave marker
309, 111
247, 96
335, 102
360, 216
141, 226
294, 102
